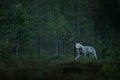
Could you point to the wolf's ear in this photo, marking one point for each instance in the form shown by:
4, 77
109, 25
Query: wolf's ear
76, 42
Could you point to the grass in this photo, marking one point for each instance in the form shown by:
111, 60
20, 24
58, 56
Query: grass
29, 67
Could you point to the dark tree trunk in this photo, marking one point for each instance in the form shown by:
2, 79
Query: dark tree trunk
76, 26
38, 44
17, 47
38, 35
57, 43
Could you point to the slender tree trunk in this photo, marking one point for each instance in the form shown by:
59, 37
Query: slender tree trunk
38, 29
76, 25
57, 44
63, 47
56, 48
17, 47
38, 45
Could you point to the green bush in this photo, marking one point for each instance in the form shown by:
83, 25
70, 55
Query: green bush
4, 46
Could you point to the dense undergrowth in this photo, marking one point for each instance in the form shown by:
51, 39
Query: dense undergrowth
33, 67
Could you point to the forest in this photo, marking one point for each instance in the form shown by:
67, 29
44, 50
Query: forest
37, 39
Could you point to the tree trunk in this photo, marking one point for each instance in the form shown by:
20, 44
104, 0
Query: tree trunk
17, 47
38, 44
57, 44
38, 35
76, 25
63, 47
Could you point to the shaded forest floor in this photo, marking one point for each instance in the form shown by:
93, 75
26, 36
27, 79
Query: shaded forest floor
33, 67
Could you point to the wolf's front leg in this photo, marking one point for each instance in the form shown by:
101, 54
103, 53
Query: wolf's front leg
78, 51
77, 57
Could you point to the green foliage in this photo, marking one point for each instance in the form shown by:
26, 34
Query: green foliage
14, 27
4, 46
54, 25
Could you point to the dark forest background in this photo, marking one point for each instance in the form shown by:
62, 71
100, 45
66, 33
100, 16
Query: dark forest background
51, 27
